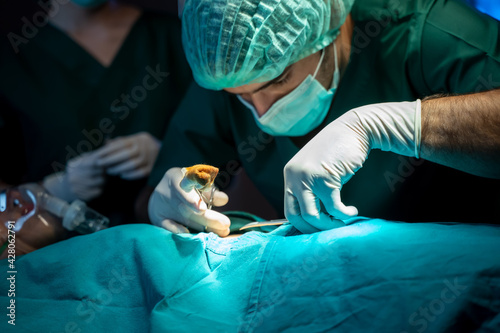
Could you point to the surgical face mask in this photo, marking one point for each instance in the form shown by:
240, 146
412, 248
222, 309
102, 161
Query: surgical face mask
89, 3
302, 110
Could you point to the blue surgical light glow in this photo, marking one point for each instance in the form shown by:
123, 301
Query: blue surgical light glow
490, 7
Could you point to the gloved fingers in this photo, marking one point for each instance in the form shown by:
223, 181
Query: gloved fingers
209, 218
216, 222
118, 157
220, 198
115, 159
221, 233
124, 167
85, 177
85, 181
190, 198
173, 226
86, 161
82, 175
170, 184
334, 206
300, 224
293, 215
313, 212
83, 186
308, 205
113, 146
57, 184
83, 168
136, 174
187, 184
87, 194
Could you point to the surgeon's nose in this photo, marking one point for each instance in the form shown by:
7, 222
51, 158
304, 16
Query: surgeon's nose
261, 102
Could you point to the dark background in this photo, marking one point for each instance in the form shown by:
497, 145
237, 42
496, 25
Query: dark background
12, 11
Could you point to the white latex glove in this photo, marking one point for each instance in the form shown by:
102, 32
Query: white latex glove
130, 157
83, 179
315, 175
174, 209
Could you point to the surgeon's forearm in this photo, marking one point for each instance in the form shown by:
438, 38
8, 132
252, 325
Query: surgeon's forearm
463, 132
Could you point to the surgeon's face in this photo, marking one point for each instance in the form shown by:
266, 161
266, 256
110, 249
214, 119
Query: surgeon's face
24, 225
264, 95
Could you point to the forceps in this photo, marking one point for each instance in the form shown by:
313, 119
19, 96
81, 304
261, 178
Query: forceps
209, 201
264, 223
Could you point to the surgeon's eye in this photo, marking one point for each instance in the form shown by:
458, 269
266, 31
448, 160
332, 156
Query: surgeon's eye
283, 81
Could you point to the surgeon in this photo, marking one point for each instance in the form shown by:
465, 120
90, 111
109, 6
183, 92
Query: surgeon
89, 88
399, 79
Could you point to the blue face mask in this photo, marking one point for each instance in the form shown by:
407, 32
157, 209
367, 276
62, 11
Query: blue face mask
302, 110
89, 3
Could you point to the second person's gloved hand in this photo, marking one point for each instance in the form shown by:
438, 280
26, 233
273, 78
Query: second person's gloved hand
83, 179
130, 157
315, 175
174, 209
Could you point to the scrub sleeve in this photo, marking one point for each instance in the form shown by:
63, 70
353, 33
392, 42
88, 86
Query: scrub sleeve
419, 52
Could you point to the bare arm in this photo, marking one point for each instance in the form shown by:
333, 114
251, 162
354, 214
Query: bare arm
463, 132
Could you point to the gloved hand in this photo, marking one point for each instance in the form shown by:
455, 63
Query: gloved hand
174, 209
315, 175
83, 179
130, 157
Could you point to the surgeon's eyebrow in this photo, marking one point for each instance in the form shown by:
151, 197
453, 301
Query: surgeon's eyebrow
273, 81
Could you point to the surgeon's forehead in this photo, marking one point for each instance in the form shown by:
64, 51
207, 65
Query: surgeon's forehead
245, 89
252, 88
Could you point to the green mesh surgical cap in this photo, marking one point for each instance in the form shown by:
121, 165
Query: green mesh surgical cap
229, 43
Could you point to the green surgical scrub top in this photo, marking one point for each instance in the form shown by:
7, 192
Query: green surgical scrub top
401, 51
61, 102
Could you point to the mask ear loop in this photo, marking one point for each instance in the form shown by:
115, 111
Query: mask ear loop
319, 63
336, 73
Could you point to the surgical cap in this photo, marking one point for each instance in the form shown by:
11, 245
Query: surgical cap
230, 43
